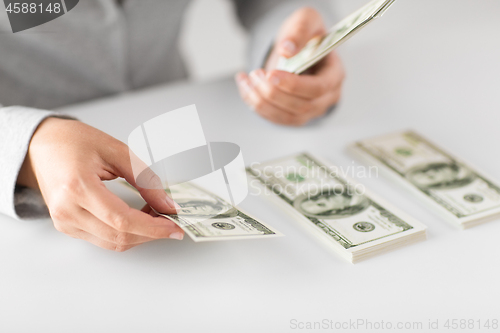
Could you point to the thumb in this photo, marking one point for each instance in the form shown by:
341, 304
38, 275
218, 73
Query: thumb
152, 191
130, 167
298, 29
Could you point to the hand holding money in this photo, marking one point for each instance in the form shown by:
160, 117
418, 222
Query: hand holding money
290, 99
68, 160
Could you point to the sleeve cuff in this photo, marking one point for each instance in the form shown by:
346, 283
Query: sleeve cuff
17, 125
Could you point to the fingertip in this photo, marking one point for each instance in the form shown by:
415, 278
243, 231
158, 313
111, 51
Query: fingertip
261, 71
173, 207
245, 85
257, 77
177, 235
278, 73
287, 48
276, 76
240, 76
170, 202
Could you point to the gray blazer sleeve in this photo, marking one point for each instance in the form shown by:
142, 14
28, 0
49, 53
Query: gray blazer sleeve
17, 125
263, 19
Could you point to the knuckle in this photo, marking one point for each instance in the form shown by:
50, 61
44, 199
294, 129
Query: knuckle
336, 96
158, 233
293, 86
120, 248
299, 122
122, 238
323, 111
58, 212
286, 119
259, 103
335, 99
306, 108
294, 122
60, 227
268, 117
71, 186
119, 222
121, 146
77, 234
343, 74
248, 102
261, 113
301, 29
272, 93
303, 17
148, 179
67, 230
277, 121
323, 88
303, 121
117, 146
308, 10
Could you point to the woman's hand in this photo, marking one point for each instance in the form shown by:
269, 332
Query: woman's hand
68, 160
291, 99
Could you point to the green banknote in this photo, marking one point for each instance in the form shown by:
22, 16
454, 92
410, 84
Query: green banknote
318, 47
458, 191
205, 217
354, 222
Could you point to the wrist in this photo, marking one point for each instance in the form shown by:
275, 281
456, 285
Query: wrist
27, 176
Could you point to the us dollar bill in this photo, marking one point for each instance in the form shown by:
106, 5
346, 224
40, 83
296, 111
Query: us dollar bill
458, 191
341, 212
318, 47
206, 217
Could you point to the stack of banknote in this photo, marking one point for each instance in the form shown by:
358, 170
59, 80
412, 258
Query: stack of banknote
318, 47
457, 191
341, 213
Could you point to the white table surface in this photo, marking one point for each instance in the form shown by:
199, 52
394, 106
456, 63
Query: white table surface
430, 65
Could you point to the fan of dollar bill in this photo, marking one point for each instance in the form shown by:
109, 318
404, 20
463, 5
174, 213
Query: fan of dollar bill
457, 191
205, 217
318, 47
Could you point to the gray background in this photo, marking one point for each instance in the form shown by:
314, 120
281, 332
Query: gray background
213, 45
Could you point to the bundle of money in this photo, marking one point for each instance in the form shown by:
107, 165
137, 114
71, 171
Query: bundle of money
318, 47
459, 192
205, 217
353, 222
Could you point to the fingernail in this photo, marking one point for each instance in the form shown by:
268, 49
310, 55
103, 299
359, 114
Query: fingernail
289, 46
256, 78
238, 78
245, 86
274, 80
172, 204
260, 73
177, 235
